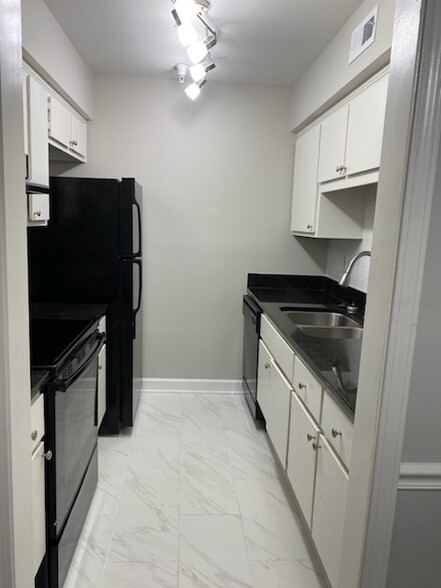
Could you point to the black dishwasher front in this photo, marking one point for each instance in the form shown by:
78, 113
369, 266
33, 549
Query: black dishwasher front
251, 329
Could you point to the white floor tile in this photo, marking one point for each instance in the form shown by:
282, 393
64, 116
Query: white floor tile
192, 497
212, 553
286, 574
207, 481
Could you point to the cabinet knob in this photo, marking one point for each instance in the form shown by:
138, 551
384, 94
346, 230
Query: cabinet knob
74, 143
301, 386
48, 455
34, 435
267, 366
316, 446
335, 433
309, 227
37, 213
310, 436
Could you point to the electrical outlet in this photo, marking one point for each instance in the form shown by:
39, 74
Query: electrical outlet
342, 267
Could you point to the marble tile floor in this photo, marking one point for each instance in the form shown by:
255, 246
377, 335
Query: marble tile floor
192, 497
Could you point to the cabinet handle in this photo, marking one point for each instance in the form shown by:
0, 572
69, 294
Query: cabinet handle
74, 143
310, 437
48, 455
316, 446
37, 213
34, 435
340, 168
309, 226
335, 433
267, 366
301, 386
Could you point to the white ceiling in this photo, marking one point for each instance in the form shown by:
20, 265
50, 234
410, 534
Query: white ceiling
259, 41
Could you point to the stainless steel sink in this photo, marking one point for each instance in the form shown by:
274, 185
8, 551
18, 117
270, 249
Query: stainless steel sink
332, 332
320, 319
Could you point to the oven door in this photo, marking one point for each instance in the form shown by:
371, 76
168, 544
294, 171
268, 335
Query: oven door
251, 328
75, 426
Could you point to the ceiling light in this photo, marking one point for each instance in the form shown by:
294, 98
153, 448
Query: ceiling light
181, 68
187, 34
199, 70
187, 9
199, 51
193, 90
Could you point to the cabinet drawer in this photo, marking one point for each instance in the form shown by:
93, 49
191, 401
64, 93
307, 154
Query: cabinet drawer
279, 349
308, 388
337, 428
37, 421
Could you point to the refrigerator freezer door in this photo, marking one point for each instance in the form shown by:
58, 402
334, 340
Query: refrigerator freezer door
131, 213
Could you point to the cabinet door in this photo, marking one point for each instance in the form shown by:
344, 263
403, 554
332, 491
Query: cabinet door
101, 385
333, 145
79, 136
329, 506
302, 455
264, 381
38, 507
37, 137
365, 128
277, 428
305, 187
60, 120
273, 396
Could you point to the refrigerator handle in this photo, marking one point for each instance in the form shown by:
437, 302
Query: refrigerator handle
138, 262
138, 209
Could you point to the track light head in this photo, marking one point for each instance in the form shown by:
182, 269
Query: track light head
181, 68
193, 90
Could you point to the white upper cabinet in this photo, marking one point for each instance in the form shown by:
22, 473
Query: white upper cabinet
352, 135
365, 130
335, 160
38, 157
333, 145
304, 191
67, 131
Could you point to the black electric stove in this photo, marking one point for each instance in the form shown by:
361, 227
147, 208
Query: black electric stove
69, 349
53, 340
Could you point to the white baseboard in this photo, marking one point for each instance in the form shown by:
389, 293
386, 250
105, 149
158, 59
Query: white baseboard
187, 385
420, 476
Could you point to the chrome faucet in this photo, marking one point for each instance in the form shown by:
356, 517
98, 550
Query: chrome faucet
344, 280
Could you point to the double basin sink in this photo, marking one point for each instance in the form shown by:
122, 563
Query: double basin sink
324, 324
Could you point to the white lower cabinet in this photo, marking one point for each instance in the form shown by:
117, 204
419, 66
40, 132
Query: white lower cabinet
38, 482
312, 437
38, 510
329, 507
302, 455
273, 394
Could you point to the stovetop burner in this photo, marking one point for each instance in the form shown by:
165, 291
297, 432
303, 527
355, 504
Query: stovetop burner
53, 339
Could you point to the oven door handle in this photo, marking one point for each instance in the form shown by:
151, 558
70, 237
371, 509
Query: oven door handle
62, 385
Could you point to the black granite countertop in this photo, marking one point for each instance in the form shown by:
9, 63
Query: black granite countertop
325, 357
38, 379
68, 310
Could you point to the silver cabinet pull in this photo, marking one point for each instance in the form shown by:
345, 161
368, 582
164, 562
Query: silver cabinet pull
37, 213
34, 435
301, 386
48, 455
335, 433
267, 366
310, 437
316, 446
309, 226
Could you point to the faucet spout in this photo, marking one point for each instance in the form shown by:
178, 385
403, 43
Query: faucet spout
344, 280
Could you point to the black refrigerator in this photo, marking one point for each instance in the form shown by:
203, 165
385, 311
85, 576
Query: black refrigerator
91, 252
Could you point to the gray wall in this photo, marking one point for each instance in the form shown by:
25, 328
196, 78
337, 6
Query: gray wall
217, 177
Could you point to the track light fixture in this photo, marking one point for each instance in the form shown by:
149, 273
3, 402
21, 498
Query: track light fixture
199, 70
189, 15
199, 50
193, 90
